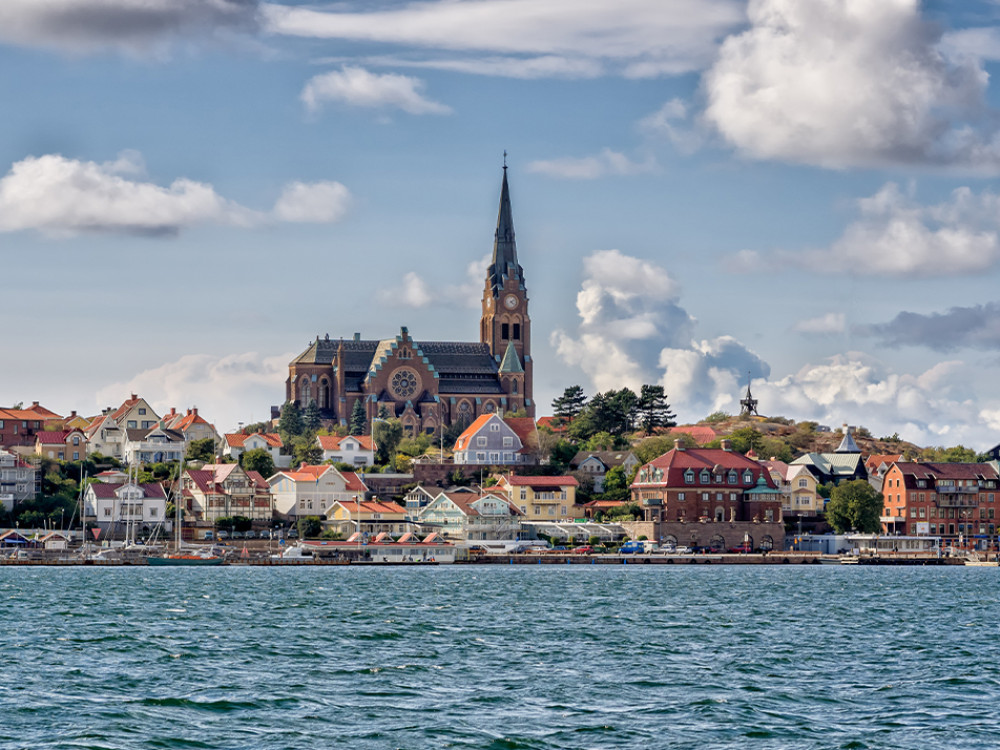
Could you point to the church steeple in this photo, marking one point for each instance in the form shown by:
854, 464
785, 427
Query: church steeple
504, 264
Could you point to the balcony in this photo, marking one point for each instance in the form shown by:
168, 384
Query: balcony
958, 500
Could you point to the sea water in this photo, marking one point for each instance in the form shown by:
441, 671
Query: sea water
500, 657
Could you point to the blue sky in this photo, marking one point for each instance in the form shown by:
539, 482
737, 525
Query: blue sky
191, 190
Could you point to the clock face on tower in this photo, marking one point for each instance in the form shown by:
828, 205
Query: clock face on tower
404, 382
510, 301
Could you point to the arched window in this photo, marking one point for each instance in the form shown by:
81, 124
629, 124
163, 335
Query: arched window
489, 407
720, 514
513, 387
323, 395
305, 391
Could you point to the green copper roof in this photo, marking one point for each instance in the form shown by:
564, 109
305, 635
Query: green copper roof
504, 264
510, 361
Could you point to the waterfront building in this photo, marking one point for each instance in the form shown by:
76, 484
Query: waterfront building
106, 433
222, 490
949, 500
493, 441
357, 450
367, 517
19, 480
19, 427
845, 464
312, 490
472, 516
152, 446
709, 497
541, 498
798, 487
118, 509
429, 384
595, 464
63, 445
238, 443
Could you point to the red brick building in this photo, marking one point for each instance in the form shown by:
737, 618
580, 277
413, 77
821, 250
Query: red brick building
714, 497
945, 500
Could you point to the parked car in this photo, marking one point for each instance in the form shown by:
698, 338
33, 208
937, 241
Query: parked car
682, 549
585, 550
293, 533
742, 549
668, 549
222, 535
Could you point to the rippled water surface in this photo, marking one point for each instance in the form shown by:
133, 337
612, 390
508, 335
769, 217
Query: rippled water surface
500, 657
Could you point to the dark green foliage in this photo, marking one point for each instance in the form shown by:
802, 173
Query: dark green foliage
562, 453
388, 434
359, 423
854, 505
570, 403
305, 449
259, 460
309, 527
311, 418
290, 422
654, 447
654, 411
233, 523
201, 450
616, 484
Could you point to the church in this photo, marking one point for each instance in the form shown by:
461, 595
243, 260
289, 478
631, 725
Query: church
429, 384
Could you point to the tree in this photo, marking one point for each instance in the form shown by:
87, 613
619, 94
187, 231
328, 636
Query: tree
311, 418
306, 450
359, 423
201, 450
309, 527
616, 484
290, 421
602, 441
561, 454
746, 439
259, 460
654, 411
570, 403
388, 433
854, 505
654, 447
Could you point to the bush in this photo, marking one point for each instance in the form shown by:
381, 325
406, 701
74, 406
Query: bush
309, 527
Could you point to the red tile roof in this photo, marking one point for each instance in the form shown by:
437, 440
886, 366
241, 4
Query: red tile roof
463, 440
333, 442
701, 433
521, 481
50, 438
675, 462
238, 439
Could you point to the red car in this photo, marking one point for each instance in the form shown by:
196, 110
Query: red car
743, 549
582, 550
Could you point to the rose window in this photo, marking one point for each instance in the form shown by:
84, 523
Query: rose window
404, 383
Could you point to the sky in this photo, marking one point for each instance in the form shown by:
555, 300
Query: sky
801, 192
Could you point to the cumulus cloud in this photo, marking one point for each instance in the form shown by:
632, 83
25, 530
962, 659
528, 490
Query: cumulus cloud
60, 196
641, 38
672, 122
934, 407
137, 26
896, 236
415, 291
824, 324
633, 331
976, 327
322, 202
358, 87
843, 84
227, 389
605, 164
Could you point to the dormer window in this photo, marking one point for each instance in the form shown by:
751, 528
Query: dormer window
731, 478
705, 477
748, 477
689, 477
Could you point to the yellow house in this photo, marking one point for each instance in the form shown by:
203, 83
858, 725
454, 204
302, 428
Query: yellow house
541, 498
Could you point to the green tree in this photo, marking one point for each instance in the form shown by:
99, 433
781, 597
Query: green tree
718, 416
290, 421
616, 484
602, 441
654, 447
561, 454
570, 403
311, 418
746, 438
309, 527
359, 423
305, 450
654, 411
259, 460
388, 434
854, 505
201, 450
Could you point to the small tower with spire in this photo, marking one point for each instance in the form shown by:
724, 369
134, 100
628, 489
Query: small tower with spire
505, 326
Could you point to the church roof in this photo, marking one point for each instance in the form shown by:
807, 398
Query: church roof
511, 363
847, 445
504, 263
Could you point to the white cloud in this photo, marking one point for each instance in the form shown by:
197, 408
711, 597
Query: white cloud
841, 84
824, 324
632, 331
318, 202
141, 27
606, 163
361, 88
527, 68
60, 196
672, 121
896, 236
415, 291
647, 37
227, 389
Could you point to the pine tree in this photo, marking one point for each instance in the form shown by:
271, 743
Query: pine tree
358, 420
653, 408
290, 422
571, 403
311, 418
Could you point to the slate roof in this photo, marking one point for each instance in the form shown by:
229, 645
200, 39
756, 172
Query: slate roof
510, 362
608, 458
103, 490
456, 358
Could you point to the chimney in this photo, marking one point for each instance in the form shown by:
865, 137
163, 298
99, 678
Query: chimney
726, 445
678, 444
195, 411
134, 397
34, 403
72, 414
357, 336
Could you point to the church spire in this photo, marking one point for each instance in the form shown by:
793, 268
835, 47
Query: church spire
504, 264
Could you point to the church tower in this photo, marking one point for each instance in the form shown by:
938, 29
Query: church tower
505, 326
